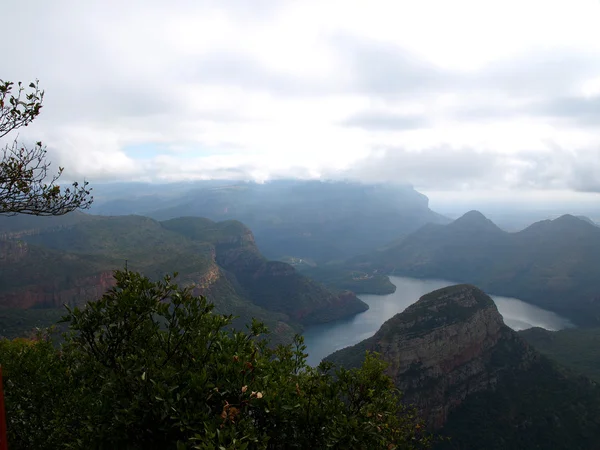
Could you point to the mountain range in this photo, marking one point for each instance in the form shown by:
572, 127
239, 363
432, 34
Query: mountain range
554, 264
475, 381
46, 262
316, 220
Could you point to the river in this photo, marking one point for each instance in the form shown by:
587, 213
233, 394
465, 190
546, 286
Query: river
322, 340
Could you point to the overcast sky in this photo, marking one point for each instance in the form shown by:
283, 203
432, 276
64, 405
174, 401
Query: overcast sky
451, 96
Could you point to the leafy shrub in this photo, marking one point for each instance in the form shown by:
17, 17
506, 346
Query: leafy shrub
149, 365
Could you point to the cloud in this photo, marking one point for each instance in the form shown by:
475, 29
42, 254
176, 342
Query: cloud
430, 168
423, 93
464, 169
579, 111
387, 69
380, 120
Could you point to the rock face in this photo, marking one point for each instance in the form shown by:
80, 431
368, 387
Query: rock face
11, 252
442, 349
79, 291
278, 286
449, 338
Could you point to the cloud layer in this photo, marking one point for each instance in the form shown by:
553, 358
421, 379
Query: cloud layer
444, 95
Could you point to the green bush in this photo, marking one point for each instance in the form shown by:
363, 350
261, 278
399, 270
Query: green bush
149, 365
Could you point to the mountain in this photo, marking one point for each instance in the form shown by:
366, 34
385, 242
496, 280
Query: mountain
476, 381
554, 264
587, 219
576, 348
44, 267
317, 220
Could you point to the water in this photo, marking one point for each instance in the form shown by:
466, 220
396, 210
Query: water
322, 340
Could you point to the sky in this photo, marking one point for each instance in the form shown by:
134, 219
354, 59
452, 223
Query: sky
459, 98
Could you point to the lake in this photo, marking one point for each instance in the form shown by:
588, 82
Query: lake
322, 340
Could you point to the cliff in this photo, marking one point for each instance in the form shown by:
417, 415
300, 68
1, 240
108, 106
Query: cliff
55, 295
272, 285
472, 378
73, 263
439, 349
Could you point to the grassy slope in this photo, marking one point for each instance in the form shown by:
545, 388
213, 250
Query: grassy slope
544, 264
338, 277
56, 256
576, 348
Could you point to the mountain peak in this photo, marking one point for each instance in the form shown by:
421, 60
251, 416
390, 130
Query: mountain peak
441, 308
475, 220
568, 219
566, 223
438, 349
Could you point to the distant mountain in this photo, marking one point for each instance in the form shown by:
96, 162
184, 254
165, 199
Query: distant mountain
587, 219
475, 381
319, 220
73, 263
553, 263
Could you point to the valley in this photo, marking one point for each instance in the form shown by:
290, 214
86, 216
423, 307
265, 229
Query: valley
397, 290
298, 225
324, 339
475, 381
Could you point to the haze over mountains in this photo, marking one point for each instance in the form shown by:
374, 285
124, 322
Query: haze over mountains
323, 167
473, 379
321, 221
553, 263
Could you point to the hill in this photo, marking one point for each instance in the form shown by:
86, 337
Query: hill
576, 348
323, 221
49, 266
554, 264
476, 381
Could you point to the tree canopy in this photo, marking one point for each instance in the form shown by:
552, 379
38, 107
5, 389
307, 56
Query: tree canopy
26, 184
149, 365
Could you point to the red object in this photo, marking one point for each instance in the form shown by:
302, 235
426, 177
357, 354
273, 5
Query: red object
3, 438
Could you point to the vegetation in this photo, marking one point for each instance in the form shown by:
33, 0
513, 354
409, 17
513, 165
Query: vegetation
151, 366
18, 322
545, 264
322, 221
61, 259
537, 407
26, 186
575, 348
359, 282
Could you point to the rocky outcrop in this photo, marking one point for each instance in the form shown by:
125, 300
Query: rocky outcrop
443, 349
278, 286
78, 292
12, 251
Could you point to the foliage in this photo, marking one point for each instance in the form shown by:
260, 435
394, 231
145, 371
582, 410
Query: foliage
339, 277
546, 263
541, 407
149, 365
576, 348
16, 323
26, 187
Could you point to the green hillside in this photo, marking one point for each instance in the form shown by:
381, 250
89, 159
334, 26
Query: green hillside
321, 220
576, 348
72, 263
554, 264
